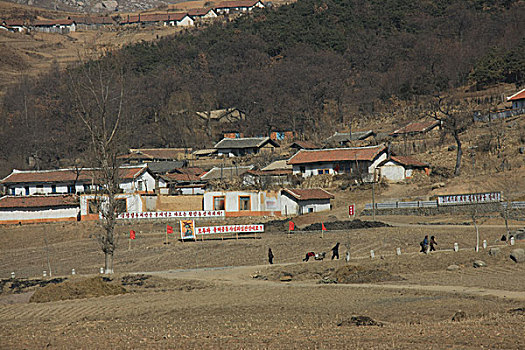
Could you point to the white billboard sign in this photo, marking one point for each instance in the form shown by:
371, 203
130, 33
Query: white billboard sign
229, 229
196, 214
471, 198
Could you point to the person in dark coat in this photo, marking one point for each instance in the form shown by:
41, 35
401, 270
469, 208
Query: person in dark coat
433, 243
308, 256
335, 252
270, 256
424, 245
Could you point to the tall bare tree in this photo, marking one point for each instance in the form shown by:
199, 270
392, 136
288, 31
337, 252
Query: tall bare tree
455, 117
97, 92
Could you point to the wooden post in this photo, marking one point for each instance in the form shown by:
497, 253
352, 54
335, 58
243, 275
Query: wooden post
129, 244
167, 237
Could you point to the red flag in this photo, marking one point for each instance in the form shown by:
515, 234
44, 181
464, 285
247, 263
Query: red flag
169, 229
322, 226
131, 234
291, 226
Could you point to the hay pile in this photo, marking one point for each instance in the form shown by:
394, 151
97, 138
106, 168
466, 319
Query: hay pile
76, 289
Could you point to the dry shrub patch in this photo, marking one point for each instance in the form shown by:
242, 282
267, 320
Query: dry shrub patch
76, 289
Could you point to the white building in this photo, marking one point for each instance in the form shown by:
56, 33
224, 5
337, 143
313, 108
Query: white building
242, 6
243, 203
400, 168
357, 161
303, 201
126, 203
33, 209
244, 146
518, 100
61, 181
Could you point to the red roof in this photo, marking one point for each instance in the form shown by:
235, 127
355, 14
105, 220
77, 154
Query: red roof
308, 194
190, 171
421, 126
520, 95
199, 12
336, 155
39, 201
155, 17
409, 161
241, 3
66, 175
181, 177
52, 22
14, 22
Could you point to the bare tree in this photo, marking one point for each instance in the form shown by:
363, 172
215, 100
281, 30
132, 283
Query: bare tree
455, 118
97, 92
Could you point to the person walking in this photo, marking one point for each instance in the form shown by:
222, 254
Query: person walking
335, 251
270, 256
433, 243
424, 245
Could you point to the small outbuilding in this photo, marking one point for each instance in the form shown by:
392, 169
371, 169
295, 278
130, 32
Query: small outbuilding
33, 209
303, 201
400, 168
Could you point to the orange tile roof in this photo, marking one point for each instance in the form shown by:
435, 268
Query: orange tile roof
181, 177
190, 171
336, 155
52, 22
520, 95
309, 194
66, 175
199, 12
241, 3
39, 201
415, 127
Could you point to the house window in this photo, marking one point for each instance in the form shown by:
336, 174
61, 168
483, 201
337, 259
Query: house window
140, 186
120, 205
310, 210
27, 190
244, 203
53, 188
13, 191
302, 169
71, 189
92, 206
323, 171
218, 203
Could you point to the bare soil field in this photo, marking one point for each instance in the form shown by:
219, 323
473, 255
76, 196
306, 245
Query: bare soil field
223, 294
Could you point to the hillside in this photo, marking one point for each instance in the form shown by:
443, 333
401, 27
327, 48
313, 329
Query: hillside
312, 67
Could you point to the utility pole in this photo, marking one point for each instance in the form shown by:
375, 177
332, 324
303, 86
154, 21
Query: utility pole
374, 197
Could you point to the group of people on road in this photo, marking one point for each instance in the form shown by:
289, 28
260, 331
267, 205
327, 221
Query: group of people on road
428, 245
335, 254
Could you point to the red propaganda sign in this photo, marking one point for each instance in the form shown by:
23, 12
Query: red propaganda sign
169, 229
131, 234
351, 210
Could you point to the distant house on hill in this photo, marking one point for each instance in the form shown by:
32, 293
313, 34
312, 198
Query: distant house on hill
146, 155
399, 168
303, 201
204, 153
518, 100
245, 146
222, 116
346, 138
202, 14
357, 161
82, 180
298, 145
15, 26
165, 19
417, 128
62, 26
92, 22
241, 6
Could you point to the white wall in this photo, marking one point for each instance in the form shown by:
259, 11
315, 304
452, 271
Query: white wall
147, 180
186, 22
19, 190
259, 201
292, 207
133, 202
393, 171
38, 214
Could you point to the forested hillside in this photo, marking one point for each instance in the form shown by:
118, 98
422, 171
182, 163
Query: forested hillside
304, 67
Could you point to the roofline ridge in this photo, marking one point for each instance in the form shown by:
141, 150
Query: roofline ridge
340, 148
517, 93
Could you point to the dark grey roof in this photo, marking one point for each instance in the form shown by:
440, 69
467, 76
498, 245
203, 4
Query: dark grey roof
165, 167
340, 137
226, 173
245, 142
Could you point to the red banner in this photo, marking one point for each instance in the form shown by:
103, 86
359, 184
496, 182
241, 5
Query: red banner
322, 226
351, 210
291, 226
131, 234
169, 229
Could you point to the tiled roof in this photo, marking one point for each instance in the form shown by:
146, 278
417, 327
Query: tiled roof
245, 142
66, 175
241, 3
156, 153
339, 137
304, 145
199, 12
517, 96
336, 154
308, 194
14, 22
227, 173
205, 152
181, 178
190, 170
415, 127
278, 165
167, 166
408, 161
39, 201
52, 22
154, 17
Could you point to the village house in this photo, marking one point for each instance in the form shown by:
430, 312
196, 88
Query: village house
92, 22
417, 128
298, 145
278, 165
225, 173
349, 138
204, 153
222, 116
185, 181
61, 26
400, 168
202, 14
303, 201
282, 135
82, 180
15, 26
90, 204
267, 178
243, 203
241, 6
33, 209
356, 161
518, 100
244, 146
165, 19
146, 155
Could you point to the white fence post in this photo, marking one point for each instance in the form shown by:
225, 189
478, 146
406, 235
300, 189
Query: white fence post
456, 247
